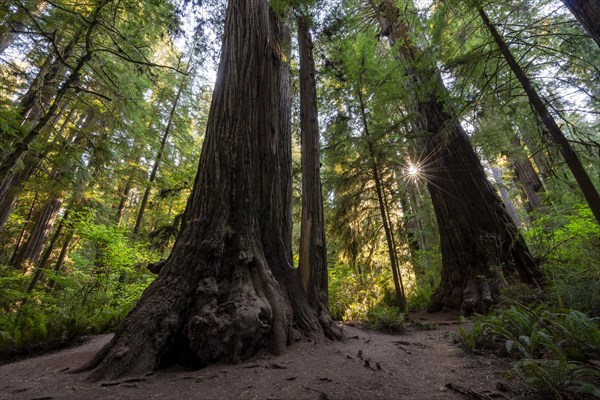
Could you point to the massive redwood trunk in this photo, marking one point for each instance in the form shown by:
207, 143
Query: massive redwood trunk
587, 13
228, 290
480, 244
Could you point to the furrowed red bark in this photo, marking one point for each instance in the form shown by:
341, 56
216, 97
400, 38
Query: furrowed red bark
228, 289
312, 268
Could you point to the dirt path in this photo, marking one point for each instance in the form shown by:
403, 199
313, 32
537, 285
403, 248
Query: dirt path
366, 365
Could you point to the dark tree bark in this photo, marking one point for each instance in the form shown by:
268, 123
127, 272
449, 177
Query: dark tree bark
60, 262
24, 230
583, 180
39, 270
527, 177
539, 159
312, 269
478, 239
587, 12
155, 166
228, 289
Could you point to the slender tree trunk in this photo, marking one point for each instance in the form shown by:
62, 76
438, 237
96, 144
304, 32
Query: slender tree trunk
404, 303
477, 236
46, 85
60, 261
45, 221
587, 12
39, 270
397, 278
312, 269
587, 187
228, 288
29, 254
34, 104
153, 172
538, 159
505, 196
14, 182
24, 230
527, 177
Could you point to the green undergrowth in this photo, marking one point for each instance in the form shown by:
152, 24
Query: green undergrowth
555, 353
568, 248
48, 318
386, 319
98, 286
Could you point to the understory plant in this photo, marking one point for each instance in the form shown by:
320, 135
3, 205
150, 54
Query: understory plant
387, 319
92, 294
552, 352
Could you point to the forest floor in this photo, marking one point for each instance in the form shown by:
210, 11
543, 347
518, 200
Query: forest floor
418, 364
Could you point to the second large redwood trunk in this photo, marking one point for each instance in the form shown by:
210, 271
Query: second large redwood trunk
481, 247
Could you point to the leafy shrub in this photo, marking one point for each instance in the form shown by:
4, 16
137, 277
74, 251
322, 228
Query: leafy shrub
569, 248
558, 379
101, 283
388, 319
352, 296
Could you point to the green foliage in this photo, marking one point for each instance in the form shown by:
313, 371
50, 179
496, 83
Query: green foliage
523, 294
569, 246
558, 379
388, 319
107, 250
103, 283
551, 349
427, 266
352, 294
